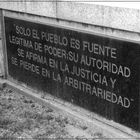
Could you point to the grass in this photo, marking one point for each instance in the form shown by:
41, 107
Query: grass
21, 117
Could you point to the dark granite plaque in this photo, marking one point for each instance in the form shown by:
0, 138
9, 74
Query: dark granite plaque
99, 73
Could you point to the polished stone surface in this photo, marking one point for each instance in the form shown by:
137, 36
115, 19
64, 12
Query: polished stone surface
96, 72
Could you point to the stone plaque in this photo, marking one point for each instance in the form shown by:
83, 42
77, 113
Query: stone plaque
99, 73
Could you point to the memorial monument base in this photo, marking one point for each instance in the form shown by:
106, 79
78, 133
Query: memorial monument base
88, 58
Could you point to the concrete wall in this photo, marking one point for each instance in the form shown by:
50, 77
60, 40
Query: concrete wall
118, 22
113, 17
106, 19
86, 12
1, 47
115, 21
30, 6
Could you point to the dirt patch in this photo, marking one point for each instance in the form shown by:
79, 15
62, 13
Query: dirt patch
22, 117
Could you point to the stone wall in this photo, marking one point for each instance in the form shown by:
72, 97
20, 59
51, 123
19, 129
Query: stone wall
1, 47
117, 22
113, 17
